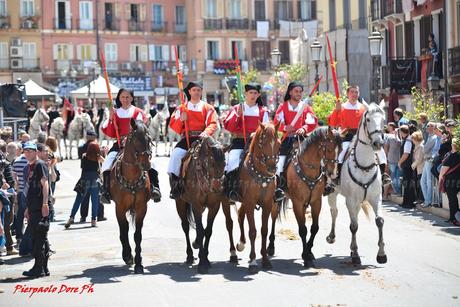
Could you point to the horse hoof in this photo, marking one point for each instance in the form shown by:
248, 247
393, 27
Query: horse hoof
253, 269
267, 265
271, 251
240, 246
138, 269
129, 260
330, 240
356, 260
203, 269
234, 259
382, 259
190, 260
195, 245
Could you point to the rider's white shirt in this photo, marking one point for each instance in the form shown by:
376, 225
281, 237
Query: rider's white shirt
122, 113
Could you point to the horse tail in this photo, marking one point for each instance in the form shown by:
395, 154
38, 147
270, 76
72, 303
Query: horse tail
282, 208
132, 214
190, 217
365, 205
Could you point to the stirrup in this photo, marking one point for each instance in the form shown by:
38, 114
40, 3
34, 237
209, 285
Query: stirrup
279, 195
155, 194
105, 198
234, 196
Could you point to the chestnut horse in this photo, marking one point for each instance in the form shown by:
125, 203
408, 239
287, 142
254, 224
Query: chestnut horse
258, 182
309, 166
203, 172
130, 188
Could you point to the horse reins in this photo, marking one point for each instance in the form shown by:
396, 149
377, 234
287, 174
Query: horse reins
203, 176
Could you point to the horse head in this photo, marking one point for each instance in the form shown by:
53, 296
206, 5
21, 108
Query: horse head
265, 145
332, 146
372, 123
209, 160
138, 142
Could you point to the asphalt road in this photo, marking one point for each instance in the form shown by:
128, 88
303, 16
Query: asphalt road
422, 269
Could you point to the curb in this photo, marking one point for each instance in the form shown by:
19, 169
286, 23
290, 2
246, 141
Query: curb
440, 212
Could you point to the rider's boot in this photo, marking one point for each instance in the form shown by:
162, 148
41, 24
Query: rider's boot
155, 193
176, 186
386, 179
330, 185
280, 187
231, 186
105, 199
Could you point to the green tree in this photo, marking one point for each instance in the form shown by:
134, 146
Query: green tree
323, 104
425, 102
253, 75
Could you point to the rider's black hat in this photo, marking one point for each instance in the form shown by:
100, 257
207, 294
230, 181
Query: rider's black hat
190, 85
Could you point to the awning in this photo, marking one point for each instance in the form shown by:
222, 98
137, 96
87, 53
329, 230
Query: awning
35, 90
97, 89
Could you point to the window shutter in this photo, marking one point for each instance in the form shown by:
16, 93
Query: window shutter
93, 53
132, 53
128, 11
165, 52
152, 52
144, 53
79, 48
55, 52
117, 10
143, 12
183, 53
70, 51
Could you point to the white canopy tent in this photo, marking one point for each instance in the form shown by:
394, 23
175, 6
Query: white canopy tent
34, 90
97, 89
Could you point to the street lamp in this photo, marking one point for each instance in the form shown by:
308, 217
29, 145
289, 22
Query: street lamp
275, 58
375, 48
316, 56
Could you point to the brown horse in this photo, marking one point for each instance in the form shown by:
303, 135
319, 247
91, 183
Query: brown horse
203, 173
258, 182
130, 188
306, 173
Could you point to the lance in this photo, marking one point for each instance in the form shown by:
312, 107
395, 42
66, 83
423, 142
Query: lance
180, 85
239, 89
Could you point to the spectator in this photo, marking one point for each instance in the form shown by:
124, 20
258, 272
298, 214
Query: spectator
2, 232
25, 138
392, 149
8, 182
393, 104
19, 166
426, 182
37, 192
438, 154
405, 163
399, 117
417, 163
43, 154
11, 150
449, 179
423, 124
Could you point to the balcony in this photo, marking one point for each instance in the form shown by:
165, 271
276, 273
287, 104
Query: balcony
159, 26
31, 63
136, 26
180, 28
277, 22
237, 24
62, 64
62, 23
29, 22
86, 24
254, 24
5, 22
392, 11
213, 24
111, 24
404, 73
454, 61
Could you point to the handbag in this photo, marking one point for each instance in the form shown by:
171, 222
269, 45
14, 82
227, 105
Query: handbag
442, 187
79, 187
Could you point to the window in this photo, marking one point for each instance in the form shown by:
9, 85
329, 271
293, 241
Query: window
62, 52
332, 17
111, 52
346, 14
211, 8
259, 10
362, 14
30, 55
235, 9
157, 14
239, 46
86, 15
213, 50
283, 10
306, 9
134, 15
409, 33
84, 53
399, 41
284, 49
27, 8
180, 15
426, 27
4, 55
3, 8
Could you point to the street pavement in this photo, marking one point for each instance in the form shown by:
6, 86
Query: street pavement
87, 269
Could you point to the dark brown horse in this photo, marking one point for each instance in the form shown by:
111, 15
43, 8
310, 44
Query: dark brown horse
257, 187
130, 188
306, 173
203, 173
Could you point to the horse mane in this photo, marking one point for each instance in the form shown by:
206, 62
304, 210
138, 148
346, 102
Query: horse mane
141, 129
317, 134
216, 149
374, 108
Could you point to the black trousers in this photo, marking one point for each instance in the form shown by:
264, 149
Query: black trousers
40, 244
452, 190
408, 182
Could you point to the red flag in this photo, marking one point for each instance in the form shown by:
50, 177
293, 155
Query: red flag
333, 70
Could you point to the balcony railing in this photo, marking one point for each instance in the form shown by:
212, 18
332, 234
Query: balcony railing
62, 23
136, 26
159, 26
86, 24
237, 24
391, 7
254, 24
31, 63
62, 64
180, 28
5, 22
111, 24
404, 73
454, 61
29, 22
213, 24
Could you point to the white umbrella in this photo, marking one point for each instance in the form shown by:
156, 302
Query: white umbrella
35, 90
98, 90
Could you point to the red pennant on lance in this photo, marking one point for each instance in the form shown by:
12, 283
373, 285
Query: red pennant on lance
333, 70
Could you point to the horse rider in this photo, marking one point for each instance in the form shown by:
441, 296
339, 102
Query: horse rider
123, 114
201, 119
297, 120
254, 113
348, 116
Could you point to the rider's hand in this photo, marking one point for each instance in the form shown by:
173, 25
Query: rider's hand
300, 131
338, 105
183, 117
203, 135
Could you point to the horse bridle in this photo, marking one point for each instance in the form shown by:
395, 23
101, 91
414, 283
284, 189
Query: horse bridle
265, 158
147, 152
368, 134
203, 175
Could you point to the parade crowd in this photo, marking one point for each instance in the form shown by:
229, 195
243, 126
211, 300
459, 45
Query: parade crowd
419, 156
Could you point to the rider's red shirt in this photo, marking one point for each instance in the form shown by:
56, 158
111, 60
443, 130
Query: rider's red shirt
348, 117
252, 117
285, 115
123, 119
200, 117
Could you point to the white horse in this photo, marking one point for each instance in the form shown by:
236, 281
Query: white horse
156, 127
78, 127
40, 117
361, 182
172, 137
57, 131
101, 134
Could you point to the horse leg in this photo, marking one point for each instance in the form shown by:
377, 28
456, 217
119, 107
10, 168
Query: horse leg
124, 227
274, 215
202, 265
229, 225
266, 209
181, 208
315, 211
212, 212
381, 255
355, 259
141, 210
332, 201
299, 212
241, 244
252, 238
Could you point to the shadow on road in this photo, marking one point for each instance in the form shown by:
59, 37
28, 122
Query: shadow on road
341, 265
103, 274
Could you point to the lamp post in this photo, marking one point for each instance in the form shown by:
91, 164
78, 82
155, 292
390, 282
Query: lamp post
275, 61
375, 48
316, 57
